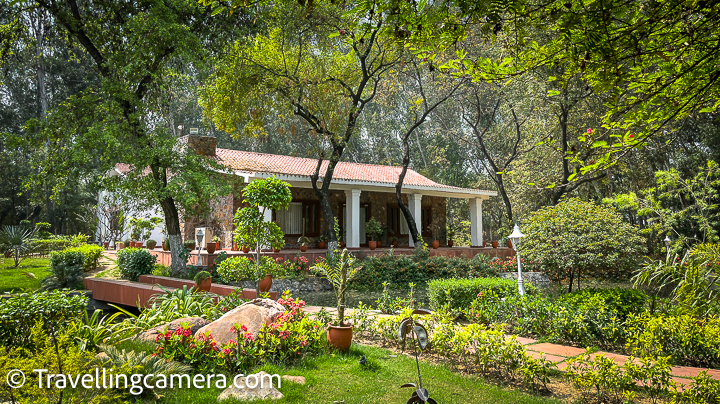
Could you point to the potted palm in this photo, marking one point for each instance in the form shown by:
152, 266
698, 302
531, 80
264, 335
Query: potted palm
373, 229
304, 243
394, 241
203, 281
339, 270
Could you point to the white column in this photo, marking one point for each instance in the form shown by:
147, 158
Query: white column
352, 225
267, 216
416, 212
476, 226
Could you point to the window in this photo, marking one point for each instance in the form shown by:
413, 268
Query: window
398, 226
291, 220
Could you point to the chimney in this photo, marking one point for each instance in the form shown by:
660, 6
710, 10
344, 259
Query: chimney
204, 145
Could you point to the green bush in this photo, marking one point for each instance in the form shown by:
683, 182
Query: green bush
622, 301
575, 239
461, 292
399, 270
20, 313
53, 243
92, 253
134, 262
67, 270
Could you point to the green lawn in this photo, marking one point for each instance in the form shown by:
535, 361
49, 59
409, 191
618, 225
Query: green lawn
340, 378
15, 279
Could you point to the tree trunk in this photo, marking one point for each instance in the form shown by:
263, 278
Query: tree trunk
412, 226
172, 225
572, 277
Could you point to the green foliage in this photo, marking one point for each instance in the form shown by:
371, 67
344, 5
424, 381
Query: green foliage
134, 262
693, 278
92, 331
178, 303
92, 255
576, 238
53, 243
151, 244
703, 389
373, 229
161, 270
201, 276
68, 270
459, 293
622, 301
340, 268
17, 240
53, 349
399, 270
141, 228
251, 229
236, 269
43, 230
20, 313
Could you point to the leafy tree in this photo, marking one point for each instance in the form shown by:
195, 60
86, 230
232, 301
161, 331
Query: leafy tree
575, 238
322, 69
139, 52
251, 227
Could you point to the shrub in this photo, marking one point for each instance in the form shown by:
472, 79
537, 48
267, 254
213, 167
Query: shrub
53, 243
178, 303
134, 262
399, 270
67, 270
576, 238
20, 313
201, 276
622, 301
460, 293
161, 270
92, 255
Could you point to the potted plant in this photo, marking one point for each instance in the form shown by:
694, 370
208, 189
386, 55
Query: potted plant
106, 245
494, 244
304, 243
322, 241
435, 244
189, 244
203, 281
245, 248
210, 246
166, 245
394, 241
217, 240
374, 230
450, 236
127, 243
277, 246
339, 270
151, 244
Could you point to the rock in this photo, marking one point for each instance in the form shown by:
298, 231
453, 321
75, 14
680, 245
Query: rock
252, 315
102, 357
150, 335
239, 391
294, 379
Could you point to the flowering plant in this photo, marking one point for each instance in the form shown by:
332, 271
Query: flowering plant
201, 352
506, 265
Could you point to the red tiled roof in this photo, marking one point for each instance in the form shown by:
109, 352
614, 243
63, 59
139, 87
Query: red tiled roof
288, 165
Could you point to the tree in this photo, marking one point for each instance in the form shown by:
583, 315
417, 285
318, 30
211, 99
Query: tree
575, 238
251, 227
139, 52
322, 69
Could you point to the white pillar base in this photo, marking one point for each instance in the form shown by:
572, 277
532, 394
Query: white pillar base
476, 226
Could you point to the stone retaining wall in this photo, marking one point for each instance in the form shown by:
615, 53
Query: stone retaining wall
295, 286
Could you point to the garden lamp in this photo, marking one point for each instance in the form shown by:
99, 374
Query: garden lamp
199, 236
515, 237
667, 242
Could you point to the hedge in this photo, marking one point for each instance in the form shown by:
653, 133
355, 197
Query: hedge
459, 293
92, 255
134, 262
67, 268
399, 270
20, 313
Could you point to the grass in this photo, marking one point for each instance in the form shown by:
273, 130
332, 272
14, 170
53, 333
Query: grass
14, 279
341, 378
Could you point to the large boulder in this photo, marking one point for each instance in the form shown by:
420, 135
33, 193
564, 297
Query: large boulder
253, 315
264, 388
195, 323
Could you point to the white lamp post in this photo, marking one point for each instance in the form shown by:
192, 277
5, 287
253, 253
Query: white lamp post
667, 243
199, 236
515, 237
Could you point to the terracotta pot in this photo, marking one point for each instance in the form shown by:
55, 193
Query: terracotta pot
245, 249
340, 337
495, 244
484, 243
395, 243
276, 250
509, 244
435, 244
235, 246
211, 247
342, 244
266, 283
8, 254
450, 243
166, 245
321, 244
303, 247
379, 244
151, 245
372, 244
205, 284
119, 246
106, 245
